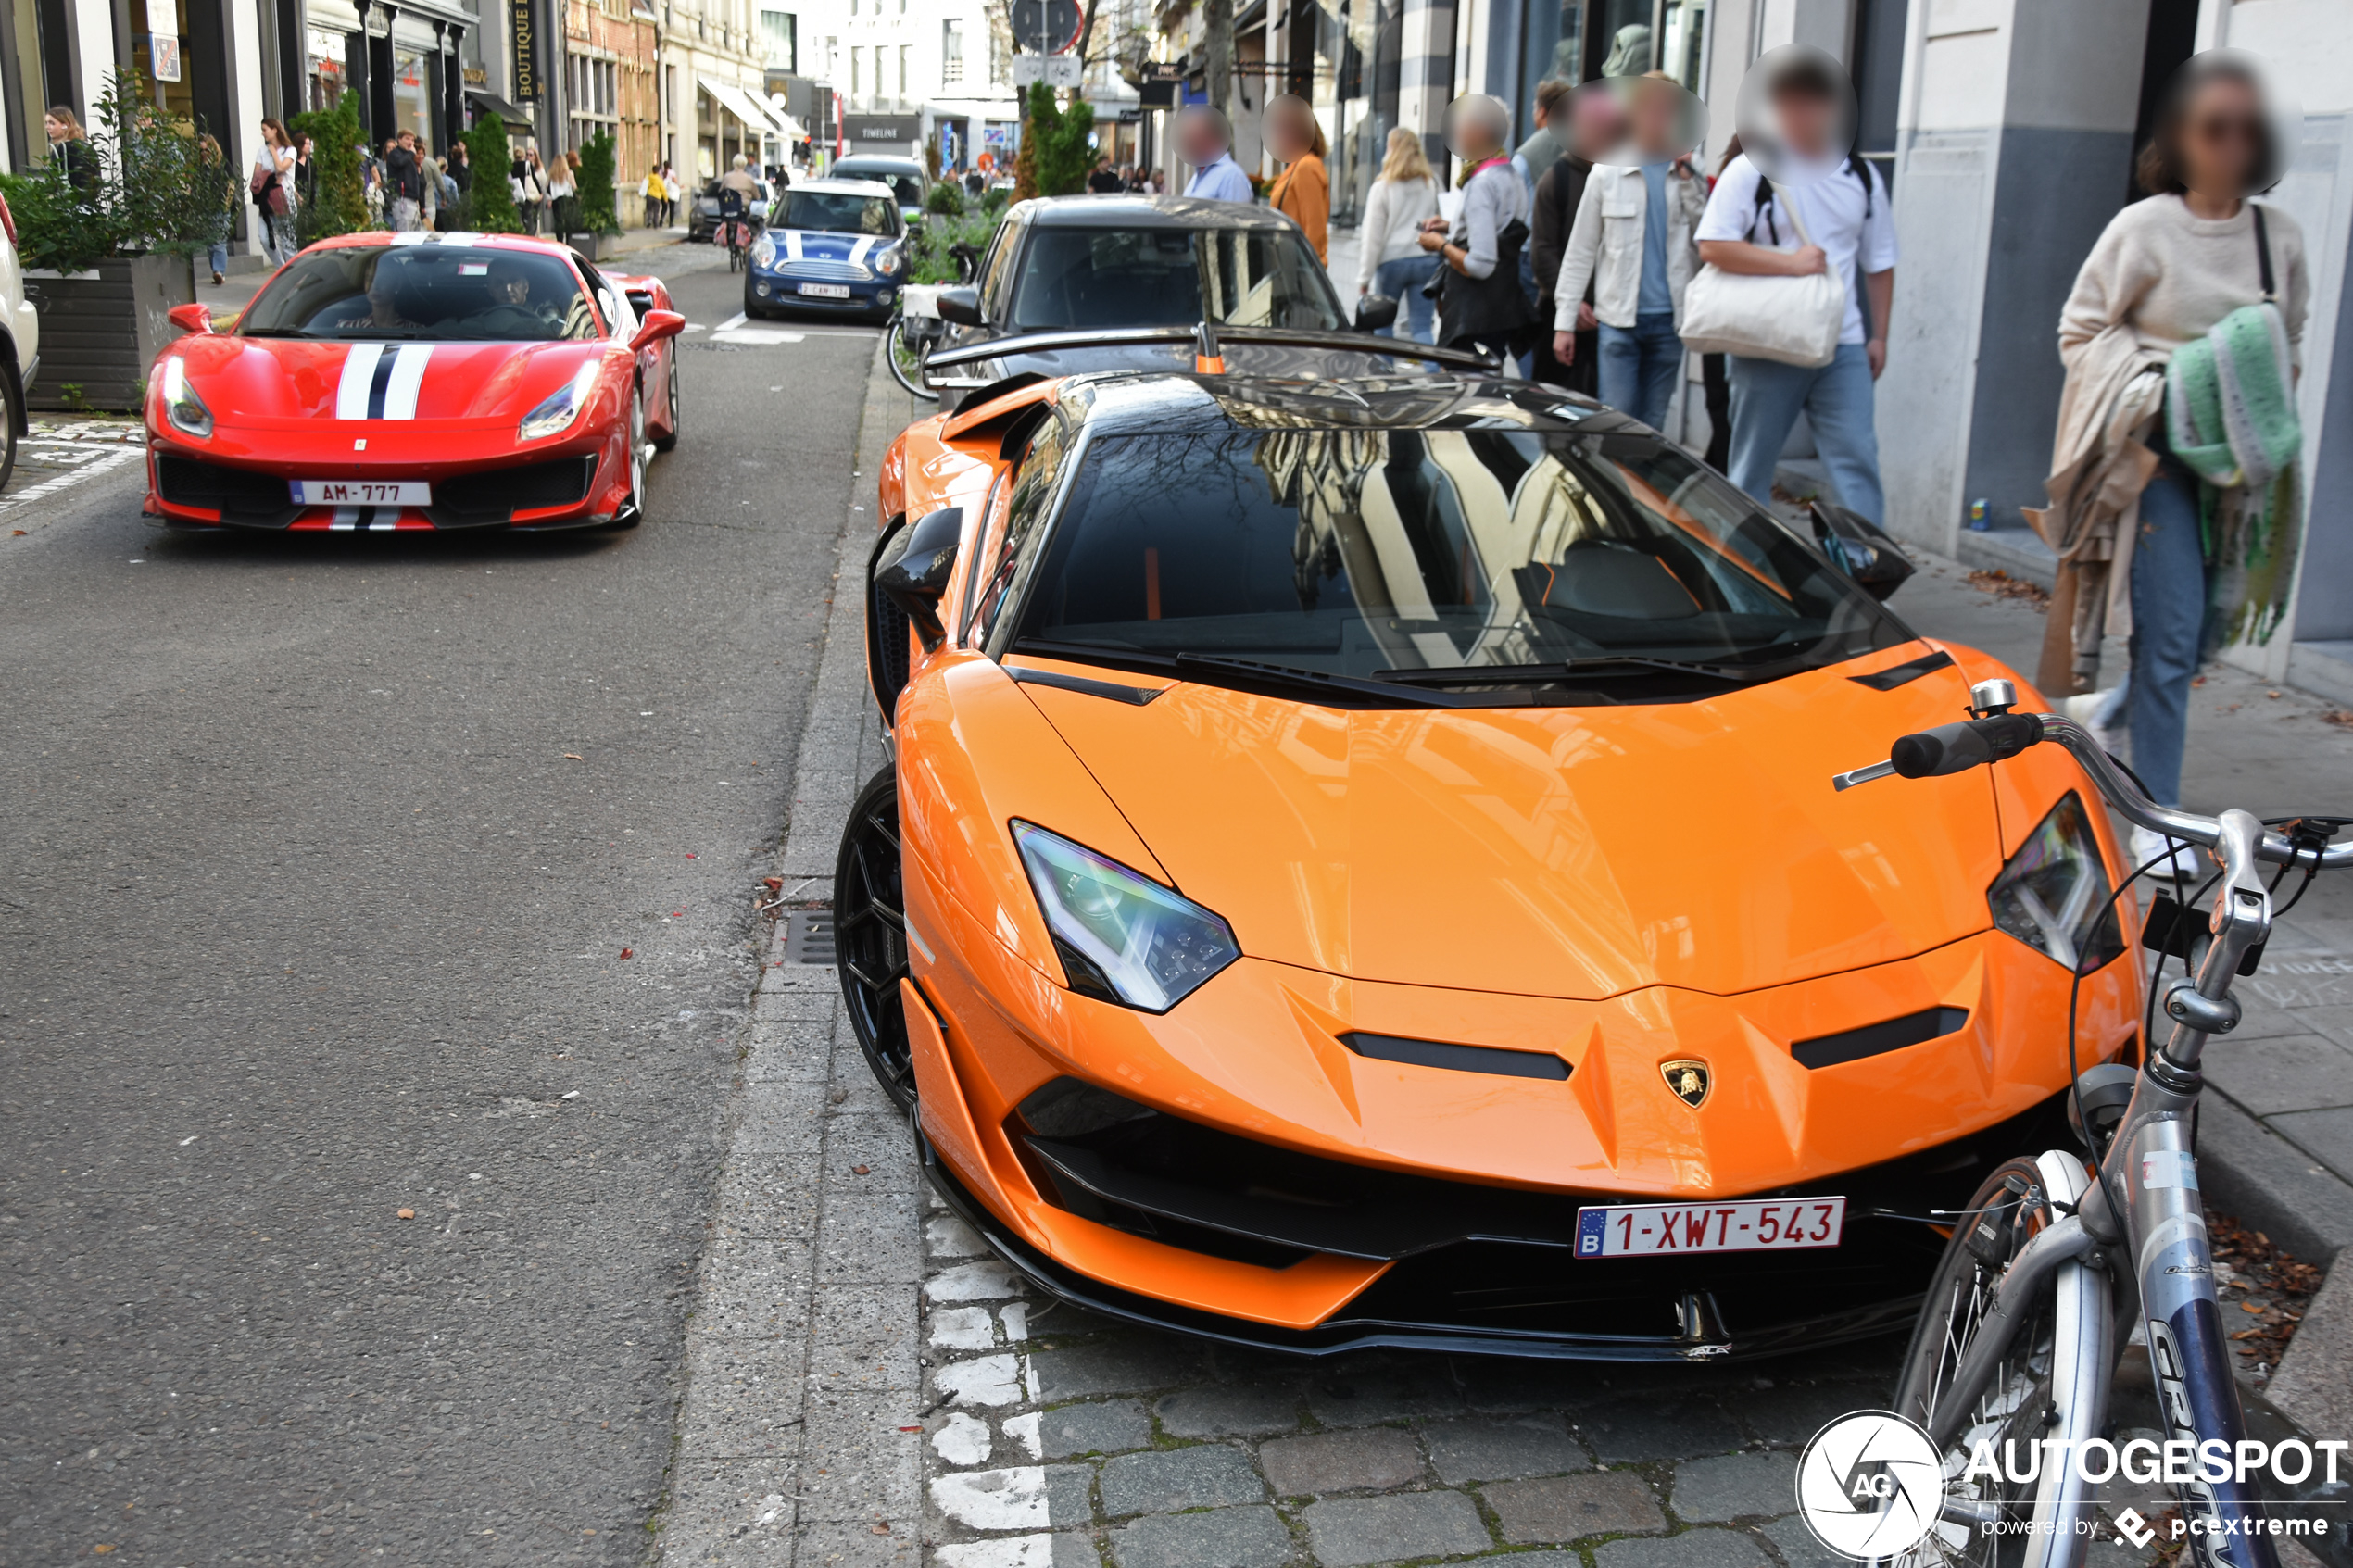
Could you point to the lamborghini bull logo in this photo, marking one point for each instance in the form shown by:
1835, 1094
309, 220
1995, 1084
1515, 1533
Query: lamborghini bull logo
1688, 1078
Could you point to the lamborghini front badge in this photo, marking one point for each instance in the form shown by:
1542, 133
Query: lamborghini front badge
1688, 1079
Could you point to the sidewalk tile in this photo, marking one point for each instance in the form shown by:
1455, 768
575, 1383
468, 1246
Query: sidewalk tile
1350, 1531
1373, 1458
2327, 1136
1228, 1537
1486, 1448
1362, 1393
1232, 1410
1692, 1548
1108, 1427
1132, 1364
1735, 1486
1629, 1430
2284, 1072
1572, 1507
1170, 1480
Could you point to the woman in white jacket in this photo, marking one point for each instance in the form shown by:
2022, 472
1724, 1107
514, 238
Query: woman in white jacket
1389, 257
1635, 226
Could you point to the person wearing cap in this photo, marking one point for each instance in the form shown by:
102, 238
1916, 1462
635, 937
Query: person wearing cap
1204, 139
1480, 304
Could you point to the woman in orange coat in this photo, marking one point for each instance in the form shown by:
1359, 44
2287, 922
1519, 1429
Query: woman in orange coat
1303, 191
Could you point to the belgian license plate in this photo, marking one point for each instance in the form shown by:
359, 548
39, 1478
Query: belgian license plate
1650, 1230
362, 492
826, 291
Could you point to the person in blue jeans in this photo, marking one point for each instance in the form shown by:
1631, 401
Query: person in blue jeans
1633, 238
1843, 211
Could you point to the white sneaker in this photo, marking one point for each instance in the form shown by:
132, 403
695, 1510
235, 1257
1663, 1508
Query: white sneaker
2186, 864
2098, 712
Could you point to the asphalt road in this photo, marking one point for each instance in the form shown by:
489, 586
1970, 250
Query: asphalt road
318, 860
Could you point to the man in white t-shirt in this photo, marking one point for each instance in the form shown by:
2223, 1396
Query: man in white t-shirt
1844, 209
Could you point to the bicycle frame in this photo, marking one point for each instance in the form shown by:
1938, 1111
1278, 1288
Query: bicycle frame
2150, 1163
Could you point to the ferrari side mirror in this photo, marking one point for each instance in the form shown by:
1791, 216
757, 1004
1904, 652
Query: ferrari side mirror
961, 304
914, 573
191, 318
652, 328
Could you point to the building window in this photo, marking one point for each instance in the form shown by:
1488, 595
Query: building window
781, 30
855, 54
905, 50
952, 53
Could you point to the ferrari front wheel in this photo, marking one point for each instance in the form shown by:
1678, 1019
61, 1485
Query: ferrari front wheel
870, 936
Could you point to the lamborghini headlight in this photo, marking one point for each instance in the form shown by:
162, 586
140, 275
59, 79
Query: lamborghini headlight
764, 250
1121, 938
180, 404
888, 262
2053, 894
557, 414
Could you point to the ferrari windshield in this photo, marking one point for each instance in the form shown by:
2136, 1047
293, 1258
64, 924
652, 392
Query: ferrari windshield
434, 293
1363, 552
839, 212
1079, 278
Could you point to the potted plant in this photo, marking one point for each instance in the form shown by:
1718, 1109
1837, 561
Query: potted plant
107, 257
599, 219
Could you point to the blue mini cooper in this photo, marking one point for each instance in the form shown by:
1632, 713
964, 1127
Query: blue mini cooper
837, 246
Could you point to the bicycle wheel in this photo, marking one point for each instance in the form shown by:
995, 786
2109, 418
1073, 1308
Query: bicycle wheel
2050, 1382
906, 355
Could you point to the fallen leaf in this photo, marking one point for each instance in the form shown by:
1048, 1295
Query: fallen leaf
408, 1213
911, 1429
776, 884
2341, 716
2273, 695
860, 1169
100, 1550
2256, 1307
690, 854
882, 1530
19, 534
574, 757
629, 952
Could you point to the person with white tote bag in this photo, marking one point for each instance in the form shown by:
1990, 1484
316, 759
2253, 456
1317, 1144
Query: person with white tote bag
1803, 316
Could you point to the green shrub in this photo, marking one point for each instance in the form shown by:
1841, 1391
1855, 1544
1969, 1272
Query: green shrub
1054, 142
490, 205
597, 211
337, 200
945, 198
933, 262
155, 192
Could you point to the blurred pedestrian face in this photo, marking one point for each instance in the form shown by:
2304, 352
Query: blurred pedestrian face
2222, 137
1595, 124
1805, 118
1201, 139
1655, 109
1287, 136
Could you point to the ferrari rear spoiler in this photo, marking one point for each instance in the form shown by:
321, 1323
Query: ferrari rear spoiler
1215, 335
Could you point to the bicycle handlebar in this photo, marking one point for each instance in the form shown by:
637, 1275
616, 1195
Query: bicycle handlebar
1956, 747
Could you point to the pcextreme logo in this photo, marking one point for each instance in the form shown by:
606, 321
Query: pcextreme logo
1870, 1486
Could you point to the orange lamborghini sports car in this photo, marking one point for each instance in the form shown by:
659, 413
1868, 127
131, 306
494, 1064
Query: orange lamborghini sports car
1361, 868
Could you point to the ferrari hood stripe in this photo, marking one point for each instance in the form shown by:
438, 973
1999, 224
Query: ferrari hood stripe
358, 371
381, 382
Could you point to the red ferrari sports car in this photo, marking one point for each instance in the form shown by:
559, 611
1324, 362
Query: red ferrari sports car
415, 381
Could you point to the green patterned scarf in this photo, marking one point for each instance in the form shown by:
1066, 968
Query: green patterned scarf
2229, 417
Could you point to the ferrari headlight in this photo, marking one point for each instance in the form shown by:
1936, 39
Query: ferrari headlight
180, 404
764, 250
557, 414
1121, 938
887, 263
2053, 894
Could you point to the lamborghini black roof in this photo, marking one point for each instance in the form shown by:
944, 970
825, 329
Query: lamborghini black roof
1130, 403
1148, 212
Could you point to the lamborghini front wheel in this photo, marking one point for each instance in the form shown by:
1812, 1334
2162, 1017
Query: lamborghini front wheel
870, 936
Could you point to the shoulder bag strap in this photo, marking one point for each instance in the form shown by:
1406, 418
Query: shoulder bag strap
2263, 251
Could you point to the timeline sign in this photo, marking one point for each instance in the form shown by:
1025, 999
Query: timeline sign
525, 28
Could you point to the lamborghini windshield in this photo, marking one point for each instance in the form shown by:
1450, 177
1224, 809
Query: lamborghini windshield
1411, 554
1080, 277
433, 293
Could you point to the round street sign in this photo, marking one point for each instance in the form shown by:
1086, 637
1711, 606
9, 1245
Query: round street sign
1046, 26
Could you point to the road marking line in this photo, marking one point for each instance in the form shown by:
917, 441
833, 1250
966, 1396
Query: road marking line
100, 463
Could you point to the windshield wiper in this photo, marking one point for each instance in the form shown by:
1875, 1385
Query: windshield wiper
1316, 681
1601, 664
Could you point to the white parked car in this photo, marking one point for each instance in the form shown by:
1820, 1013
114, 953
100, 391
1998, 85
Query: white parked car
20, 345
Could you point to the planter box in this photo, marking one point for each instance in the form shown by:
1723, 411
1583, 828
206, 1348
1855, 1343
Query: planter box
100, 329
595, 247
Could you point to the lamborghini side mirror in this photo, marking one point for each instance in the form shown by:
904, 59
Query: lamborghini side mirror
914, 573
1375, 312
1860, 548
961, 304
191, 318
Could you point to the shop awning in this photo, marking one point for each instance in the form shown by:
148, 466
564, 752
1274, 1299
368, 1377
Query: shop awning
756, 116
332, 16
491, 101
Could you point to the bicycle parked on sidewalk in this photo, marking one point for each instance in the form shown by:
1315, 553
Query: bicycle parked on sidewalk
2028, 1312
914, 337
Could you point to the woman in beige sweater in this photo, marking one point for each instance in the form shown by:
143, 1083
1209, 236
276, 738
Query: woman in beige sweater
2165, 271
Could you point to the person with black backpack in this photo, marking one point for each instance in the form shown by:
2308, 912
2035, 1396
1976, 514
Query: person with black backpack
1828, 213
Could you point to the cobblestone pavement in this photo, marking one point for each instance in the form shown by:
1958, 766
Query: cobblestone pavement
869, 1387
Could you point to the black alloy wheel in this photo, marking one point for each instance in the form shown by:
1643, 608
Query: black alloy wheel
870, 936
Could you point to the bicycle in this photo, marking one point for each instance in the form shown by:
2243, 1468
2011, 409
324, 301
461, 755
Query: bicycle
2019, 1338
733, 230
911, 338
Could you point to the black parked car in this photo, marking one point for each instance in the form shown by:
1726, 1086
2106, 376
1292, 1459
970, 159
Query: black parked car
1069, 265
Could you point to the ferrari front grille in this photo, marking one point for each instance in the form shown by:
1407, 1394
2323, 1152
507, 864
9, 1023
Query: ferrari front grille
184, 481
493, 494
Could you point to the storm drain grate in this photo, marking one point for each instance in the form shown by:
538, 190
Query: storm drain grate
809, 936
